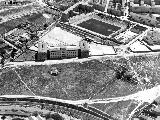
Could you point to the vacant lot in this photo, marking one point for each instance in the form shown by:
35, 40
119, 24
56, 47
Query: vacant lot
99, 27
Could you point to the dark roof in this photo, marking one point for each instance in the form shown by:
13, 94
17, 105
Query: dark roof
158, 18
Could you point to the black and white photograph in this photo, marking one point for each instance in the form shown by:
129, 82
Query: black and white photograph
79, 59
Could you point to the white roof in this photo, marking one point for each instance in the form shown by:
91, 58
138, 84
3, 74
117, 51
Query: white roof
72, 47
33, 48
66, 47
156, 15
46, 15
54, 48
96, 49
155, 47
58, 37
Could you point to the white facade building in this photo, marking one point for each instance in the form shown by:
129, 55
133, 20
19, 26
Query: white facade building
45, 51
42, 47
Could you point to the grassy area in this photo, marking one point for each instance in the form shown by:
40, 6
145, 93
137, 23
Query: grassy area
90, 79
29, 55
152, 38
99, 27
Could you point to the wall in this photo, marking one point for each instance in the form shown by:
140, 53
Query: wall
57, 54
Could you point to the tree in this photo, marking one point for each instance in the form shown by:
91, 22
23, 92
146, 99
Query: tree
13, 53
45, 26
35, 113
2, 52
56, 116
3, 117
75, 1
71, 14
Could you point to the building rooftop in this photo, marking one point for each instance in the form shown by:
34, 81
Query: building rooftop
66, 47
97, 49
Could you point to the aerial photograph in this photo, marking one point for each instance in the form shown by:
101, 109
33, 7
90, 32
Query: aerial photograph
79, 59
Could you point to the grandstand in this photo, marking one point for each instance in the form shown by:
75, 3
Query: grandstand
89, 35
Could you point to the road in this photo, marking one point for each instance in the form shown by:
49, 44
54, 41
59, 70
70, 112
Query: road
144, 96
10, 44
148, 95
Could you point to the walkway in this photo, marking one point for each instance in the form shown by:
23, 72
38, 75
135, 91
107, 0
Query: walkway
10, 44
71, 8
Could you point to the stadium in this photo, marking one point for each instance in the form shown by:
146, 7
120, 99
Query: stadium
100, 27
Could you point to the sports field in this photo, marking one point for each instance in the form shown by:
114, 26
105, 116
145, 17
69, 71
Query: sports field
99, 27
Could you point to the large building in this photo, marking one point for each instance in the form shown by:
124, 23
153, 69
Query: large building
47, 52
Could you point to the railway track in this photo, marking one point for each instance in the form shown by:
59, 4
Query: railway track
30, 104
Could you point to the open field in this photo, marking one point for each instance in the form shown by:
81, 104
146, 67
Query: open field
99, 27
90, 79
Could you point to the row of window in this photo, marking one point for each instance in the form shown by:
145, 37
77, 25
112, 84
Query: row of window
67, 52
71, 54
